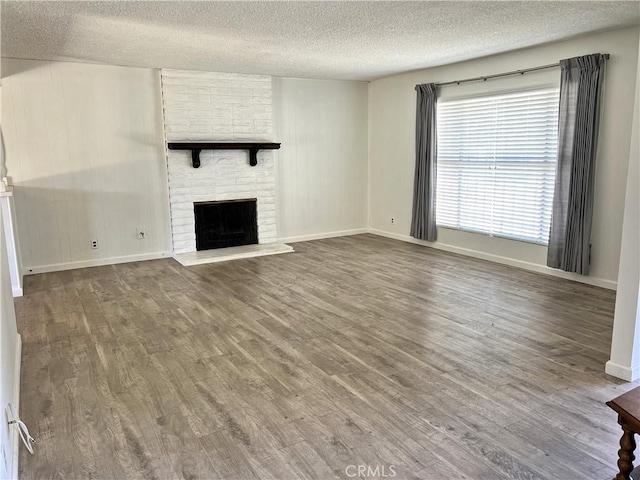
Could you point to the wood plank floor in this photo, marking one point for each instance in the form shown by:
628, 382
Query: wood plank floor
352, 351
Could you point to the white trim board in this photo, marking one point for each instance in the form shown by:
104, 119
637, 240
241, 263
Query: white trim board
6, 204
533, 267
622, 371
15, 439
320, 236
99, 262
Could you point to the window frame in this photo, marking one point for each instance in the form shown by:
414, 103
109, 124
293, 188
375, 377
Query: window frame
485, 94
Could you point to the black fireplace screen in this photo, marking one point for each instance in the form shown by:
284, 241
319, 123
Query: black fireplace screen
226, 223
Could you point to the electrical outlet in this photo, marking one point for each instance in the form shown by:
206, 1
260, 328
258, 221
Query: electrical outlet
94, 244
141, 233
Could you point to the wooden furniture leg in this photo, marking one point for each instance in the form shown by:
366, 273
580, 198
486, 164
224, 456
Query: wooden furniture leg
625, 454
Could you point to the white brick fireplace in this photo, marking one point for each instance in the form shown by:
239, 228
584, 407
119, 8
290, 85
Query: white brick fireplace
203, 106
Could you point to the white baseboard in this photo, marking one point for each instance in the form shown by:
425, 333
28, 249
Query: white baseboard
320, 236
533, 267
622, 371
17, 291
99, 262
15, 439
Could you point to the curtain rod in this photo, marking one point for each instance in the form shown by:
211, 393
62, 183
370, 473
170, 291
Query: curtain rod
506, 74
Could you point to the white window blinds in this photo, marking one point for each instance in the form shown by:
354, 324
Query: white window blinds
496, 164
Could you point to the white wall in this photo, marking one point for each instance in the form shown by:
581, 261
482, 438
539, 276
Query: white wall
85, 152
392, 133
9, 353
8, 216
625, 345
322, 164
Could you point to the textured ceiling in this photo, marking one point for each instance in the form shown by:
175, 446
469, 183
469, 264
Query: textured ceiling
341, 40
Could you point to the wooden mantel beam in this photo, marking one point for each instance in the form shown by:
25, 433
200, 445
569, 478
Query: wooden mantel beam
196, 147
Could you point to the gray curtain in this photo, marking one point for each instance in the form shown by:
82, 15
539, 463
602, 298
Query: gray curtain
423, 219
579, 113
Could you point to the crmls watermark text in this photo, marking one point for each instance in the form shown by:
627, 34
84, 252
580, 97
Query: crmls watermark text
370, 471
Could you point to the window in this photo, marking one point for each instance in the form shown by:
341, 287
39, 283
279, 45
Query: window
496, 164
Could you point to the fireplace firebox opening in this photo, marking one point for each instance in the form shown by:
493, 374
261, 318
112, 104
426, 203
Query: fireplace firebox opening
227, 223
